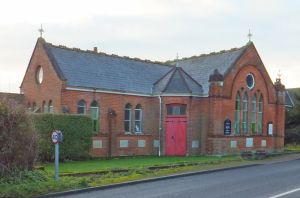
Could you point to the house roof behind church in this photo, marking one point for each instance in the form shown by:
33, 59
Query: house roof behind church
291, 96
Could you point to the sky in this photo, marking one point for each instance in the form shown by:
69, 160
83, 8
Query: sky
151, 29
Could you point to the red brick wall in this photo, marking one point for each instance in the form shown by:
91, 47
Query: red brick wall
222, 106
49, 89
117, 102
196, 113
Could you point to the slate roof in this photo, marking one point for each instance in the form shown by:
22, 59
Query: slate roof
88, 69
103, 71
19, 98
177, 81
200, 67
290, 97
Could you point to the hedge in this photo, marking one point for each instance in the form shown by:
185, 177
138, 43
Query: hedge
18, 140
77, 135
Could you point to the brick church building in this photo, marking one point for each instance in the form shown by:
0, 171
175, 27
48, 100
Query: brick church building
217, 103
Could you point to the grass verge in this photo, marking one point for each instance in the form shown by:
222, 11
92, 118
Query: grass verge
33, 183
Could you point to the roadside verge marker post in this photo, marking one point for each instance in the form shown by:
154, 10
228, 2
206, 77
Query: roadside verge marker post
57, 138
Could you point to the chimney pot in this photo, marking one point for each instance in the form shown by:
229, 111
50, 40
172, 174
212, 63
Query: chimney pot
96, 49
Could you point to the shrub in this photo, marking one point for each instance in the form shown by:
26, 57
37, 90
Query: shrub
17, 139
77, 135
292, 135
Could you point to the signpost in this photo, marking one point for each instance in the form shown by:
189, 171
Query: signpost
56, 137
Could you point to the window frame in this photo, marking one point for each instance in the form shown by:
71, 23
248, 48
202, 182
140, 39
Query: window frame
129, 120
237, 120
260, 114
51, 107
245, 113
181, 107
83, 105
44, 107
95, 116
138, 108
254, 112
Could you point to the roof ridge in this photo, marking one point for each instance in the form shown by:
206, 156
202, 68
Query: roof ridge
209, 54
75, 49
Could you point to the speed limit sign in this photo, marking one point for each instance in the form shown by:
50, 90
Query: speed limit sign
55, 137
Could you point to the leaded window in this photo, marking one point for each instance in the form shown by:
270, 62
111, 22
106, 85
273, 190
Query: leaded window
50, 107
253, 120
245, 113
45, 107
94, 110
138, 114
237, 113
260, 114
127, 118
176, 109
81, 107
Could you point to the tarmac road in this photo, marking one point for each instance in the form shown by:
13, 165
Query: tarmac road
269, 181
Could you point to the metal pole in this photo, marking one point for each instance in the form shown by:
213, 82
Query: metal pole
57, 161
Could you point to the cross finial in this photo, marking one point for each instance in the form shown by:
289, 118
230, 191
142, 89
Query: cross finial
249, 35
279, 74
41, 30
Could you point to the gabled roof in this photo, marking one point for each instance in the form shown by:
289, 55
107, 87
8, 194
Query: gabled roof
290, 97
19, 98
102, 71
177, 81
200, 67
93, 70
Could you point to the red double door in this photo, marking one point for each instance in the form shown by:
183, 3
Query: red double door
175, 136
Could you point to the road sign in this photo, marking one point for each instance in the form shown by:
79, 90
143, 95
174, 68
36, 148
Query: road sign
55, 137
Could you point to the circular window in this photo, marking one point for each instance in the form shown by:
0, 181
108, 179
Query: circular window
250, 81
39, 75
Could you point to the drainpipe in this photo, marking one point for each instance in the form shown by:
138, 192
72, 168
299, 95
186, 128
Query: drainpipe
160, 125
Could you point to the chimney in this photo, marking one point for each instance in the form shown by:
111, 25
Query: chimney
95, 49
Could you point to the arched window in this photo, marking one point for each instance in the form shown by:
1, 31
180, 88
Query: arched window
237, 113
127, 118
245, 113
138, 114
253, 120
45, 107
81, 107
260, 114
50, 107
95, 115
33, 106
29, 106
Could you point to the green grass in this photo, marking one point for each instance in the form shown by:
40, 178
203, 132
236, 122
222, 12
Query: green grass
292, 147
132, 163
33, 183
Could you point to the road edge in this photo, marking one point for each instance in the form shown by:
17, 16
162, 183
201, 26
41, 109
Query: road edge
90, 189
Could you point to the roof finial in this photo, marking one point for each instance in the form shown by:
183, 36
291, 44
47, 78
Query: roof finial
279, 74
41, 30
177, 59
249, 35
